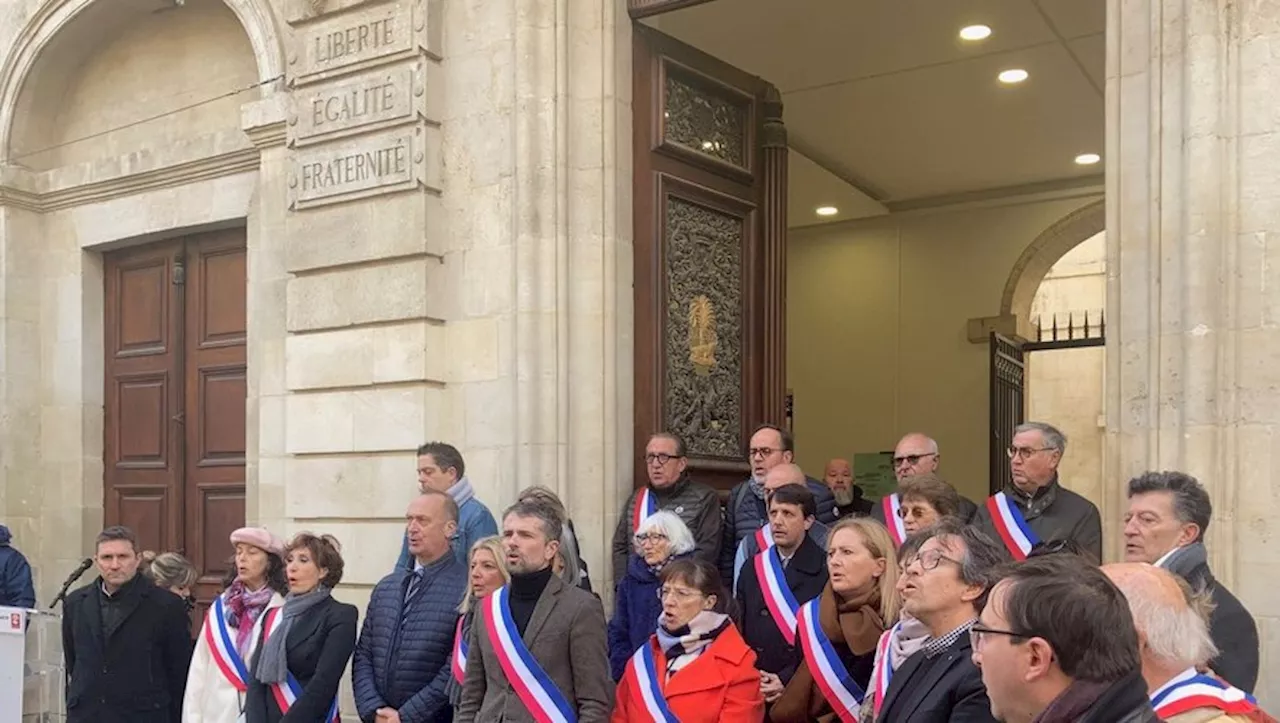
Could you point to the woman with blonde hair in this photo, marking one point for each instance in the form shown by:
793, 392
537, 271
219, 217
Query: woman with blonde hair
838, 630
486, 574
171, 571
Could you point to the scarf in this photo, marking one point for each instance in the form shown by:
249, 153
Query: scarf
245, 607
273, 664
684, 644
853, 623
461, 492
1184, 560
1072, 703
911, 637
757, 488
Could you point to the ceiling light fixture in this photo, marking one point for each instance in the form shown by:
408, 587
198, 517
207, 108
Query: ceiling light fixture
1013, 75
1088, 159
975, 32
826, 210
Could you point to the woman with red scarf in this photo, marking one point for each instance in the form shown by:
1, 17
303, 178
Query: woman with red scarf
219, 673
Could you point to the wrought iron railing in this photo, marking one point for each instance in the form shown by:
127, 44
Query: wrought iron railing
1069, 330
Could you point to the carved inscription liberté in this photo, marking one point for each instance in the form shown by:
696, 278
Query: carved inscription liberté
350, 167
365, 100
346, 41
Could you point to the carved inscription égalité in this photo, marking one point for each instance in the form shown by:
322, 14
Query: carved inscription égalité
364, 100
703, 328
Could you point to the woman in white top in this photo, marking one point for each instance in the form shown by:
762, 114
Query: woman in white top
220, 664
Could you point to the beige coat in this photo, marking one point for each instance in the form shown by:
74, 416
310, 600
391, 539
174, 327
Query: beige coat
1205, 715
566, 635
210, 698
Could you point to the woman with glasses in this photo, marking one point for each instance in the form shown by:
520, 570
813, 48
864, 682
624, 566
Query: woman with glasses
696, 668
662, 538
838, 631
925, 499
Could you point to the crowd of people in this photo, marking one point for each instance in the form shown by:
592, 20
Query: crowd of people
798, 600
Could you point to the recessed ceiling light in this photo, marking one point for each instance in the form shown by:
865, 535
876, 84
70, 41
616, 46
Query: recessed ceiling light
1013, 75
826, 210
1088, 159
975, 32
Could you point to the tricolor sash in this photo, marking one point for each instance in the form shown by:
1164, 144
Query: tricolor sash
288, 692
459, 664
1011, 526
646, 504
217, 634
644, 682
893, 520
825, 666
883, 671
1191, 690
777, 596
527, 678
764, 537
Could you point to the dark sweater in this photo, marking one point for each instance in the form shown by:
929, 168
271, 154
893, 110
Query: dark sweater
525, 590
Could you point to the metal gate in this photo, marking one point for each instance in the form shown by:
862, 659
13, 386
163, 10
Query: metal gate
1008, 399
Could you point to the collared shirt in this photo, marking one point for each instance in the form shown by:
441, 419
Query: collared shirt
1165, 557
936, 646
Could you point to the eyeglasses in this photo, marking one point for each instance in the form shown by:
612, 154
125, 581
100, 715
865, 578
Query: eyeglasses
978, 632
660, 458
762, 452
917, 512
930, 559
1024, 453
911, 459
679, 594
654, 537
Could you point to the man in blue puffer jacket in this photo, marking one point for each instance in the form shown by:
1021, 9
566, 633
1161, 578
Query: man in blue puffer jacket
401, 662
16, 589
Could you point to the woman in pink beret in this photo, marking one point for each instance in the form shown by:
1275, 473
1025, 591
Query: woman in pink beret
219, 671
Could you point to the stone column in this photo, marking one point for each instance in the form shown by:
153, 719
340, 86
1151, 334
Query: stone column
1193, 223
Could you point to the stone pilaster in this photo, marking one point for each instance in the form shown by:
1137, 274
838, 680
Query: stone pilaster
1193, 224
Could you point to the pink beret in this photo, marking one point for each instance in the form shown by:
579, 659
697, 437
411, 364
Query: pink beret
260, 538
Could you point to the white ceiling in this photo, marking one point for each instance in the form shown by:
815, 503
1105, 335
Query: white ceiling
894, 111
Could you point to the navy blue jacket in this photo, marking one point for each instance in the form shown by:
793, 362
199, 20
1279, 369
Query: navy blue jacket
406, 667
16, 589
745, 513
635, 613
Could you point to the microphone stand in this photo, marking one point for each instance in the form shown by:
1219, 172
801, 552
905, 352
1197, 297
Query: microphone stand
75, 575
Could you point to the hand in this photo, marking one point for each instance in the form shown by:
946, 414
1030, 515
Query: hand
770, 686
387, 715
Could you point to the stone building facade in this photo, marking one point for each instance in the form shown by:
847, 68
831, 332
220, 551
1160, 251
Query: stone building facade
428, 205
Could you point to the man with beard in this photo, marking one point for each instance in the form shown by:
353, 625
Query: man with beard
849, 501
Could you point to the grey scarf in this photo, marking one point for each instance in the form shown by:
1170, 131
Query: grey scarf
273, 663
1184, 560
461, 492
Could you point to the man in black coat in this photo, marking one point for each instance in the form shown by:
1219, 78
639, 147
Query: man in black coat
126, 642
804, 568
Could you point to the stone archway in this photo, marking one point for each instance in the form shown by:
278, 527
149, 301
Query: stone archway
1043, 252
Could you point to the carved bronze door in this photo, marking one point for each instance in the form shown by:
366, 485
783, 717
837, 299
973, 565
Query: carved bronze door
710, 227
1008, 395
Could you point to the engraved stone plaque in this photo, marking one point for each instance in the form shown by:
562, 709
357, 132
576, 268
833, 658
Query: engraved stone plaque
355, 39
371, 99
354, 168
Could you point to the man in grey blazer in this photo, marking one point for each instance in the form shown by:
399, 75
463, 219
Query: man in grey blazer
560, 628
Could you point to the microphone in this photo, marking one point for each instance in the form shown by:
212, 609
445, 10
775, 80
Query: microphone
75, 575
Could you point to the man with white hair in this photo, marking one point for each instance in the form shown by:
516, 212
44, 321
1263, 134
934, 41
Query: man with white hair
1174, 642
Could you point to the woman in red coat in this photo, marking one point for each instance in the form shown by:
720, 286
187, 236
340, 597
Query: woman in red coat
696, 666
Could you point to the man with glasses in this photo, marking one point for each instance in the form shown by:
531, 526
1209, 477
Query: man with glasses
944, 586
745, 512
1035, 508
669, 488
1056, 642
914, 456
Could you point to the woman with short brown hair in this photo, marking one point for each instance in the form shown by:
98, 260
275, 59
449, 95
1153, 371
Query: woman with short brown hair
925, 499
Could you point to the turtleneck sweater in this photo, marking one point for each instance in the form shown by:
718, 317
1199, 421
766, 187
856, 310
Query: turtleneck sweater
526, 588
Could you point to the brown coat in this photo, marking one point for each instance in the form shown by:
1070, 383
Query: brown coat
566, 635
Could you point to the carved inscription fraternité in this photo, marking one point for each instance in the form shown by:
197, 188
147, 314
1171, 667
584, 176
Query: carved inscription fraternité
365, 100
703, 335
351, 167
350, 40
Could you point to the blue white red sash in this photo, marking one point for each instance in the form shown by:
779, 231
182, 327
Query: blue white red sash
288, 692
777, 596
644, 681
217, 634
530, 682
883, 671
1011, 526
764, 537
459, 664
646, 504
1191, 690
893, 520
833, 679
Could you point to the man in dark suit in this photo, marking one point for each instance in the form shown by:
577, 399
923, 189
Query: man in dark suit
126, 642
945, 586
804, 566
546, 634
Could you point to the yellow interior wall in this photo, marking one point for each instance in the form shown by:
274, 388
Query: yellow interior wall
877, 343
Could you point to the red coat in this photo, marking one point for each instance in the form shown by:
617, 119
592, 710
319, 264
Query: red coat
721, 684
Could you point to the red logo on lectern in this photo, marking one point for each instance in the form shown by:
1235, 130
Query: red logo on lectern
15, 620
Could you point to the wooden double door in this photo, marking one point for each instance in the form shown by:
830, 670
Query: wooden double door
174, 454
